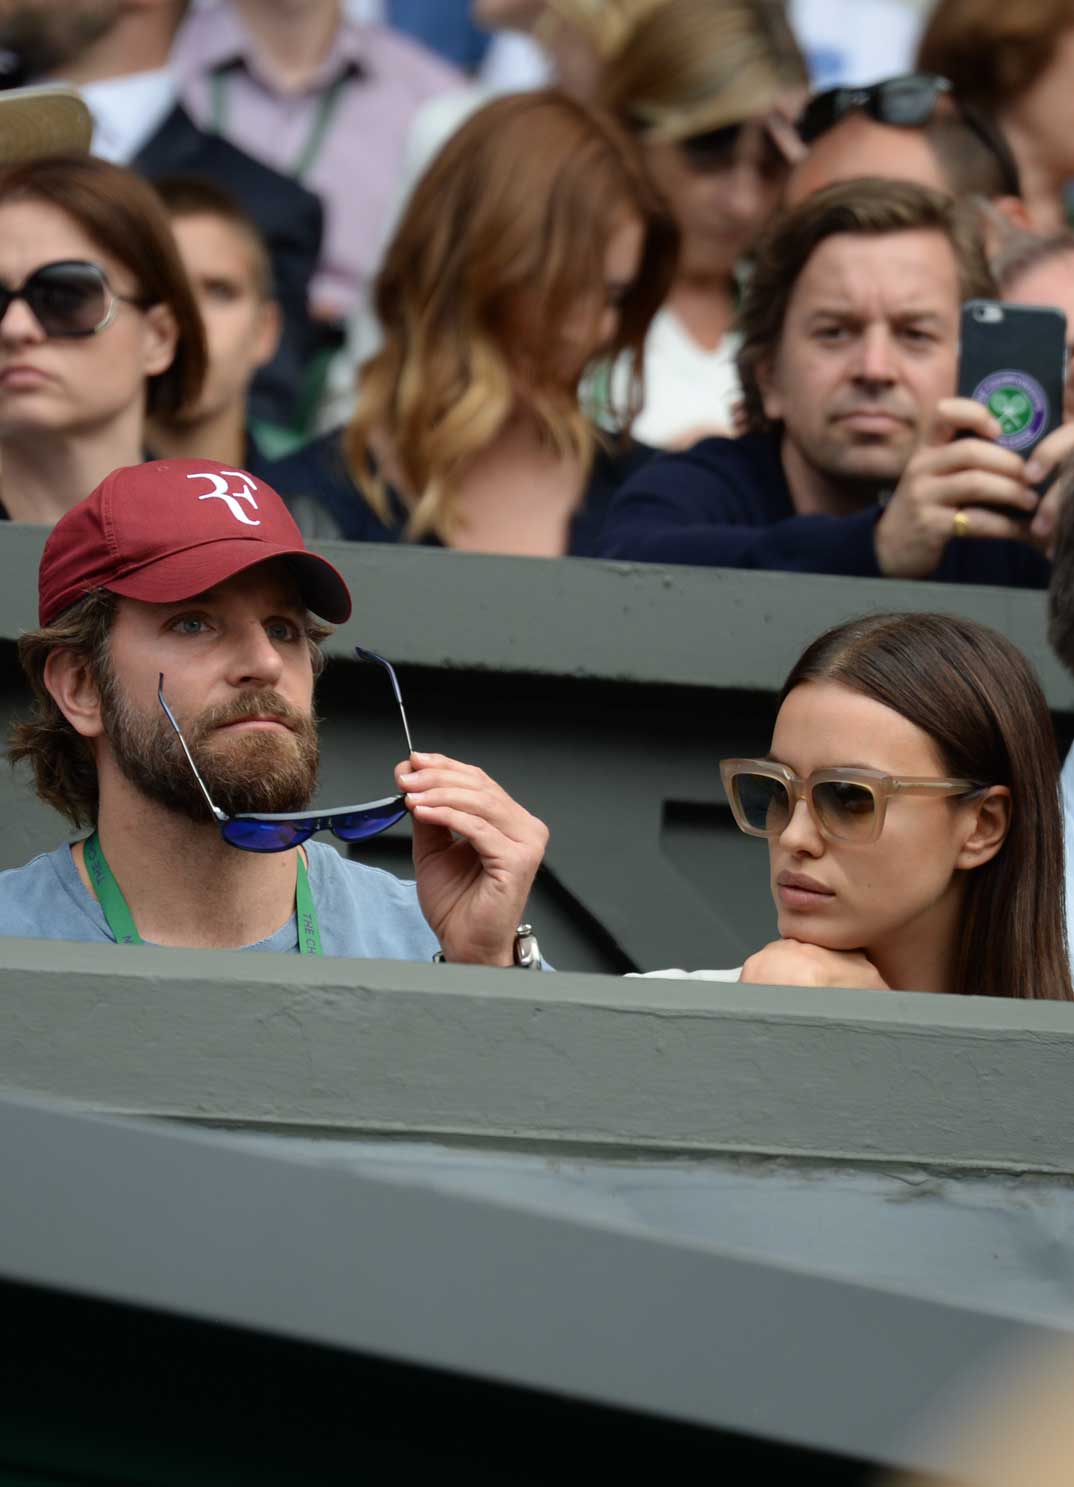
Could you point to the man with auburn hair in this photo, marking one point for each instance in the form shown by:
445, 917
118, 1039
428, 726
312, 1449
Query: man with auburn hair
227, 261
858, 459
173, 676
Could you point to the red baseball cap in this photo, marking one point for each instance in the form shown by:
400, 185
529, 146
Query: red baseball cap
170, 529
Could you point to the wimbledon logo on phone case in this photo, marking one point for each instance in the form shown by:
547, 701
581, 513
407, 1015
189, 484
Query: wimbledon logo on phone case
1019, 405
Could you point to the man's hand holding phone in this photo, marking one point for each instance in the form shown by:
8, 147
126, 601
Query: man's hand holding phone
961, 469
1041, 469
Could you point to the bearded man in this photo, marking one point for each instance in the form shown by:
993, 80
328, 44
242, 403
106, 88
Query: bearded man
173, 674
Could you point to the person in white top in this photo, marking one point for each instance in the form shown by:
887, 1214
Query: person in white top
710, 92
851, 42
911, 807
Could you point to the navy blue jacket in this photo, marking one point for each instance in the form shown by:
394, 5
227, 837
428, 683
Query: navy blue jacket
290, 218
318, 471
725, 503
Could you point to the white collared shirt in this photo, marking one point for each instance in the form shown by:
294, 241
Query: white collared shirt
128, 111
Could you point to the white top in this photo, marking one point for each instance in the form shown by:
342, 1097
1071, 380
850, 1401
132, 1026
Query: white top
128, 111
689, 390
676, 975
856, 41
515, 62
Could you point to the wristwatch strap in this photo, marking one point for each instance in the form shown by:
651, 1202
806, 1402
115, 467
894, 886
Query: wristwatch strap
527, 952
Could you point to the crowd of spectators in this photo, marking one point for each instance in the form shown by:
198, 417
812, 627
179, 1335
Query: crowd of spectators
667, 281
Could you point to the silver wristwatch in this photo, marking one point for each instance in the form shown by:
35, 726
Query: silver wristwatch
526, 950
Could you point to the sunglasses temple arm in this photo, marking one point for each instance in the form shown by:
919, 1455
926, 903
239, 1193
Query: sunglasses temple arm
217, 812
390, 669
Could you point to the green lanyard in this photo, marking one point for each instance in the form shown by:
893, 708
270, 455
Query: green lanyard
327, 106
120, 922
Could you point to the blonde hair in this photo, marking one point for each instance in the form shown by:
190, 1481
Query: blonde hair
505, 235
605, 23
691, 66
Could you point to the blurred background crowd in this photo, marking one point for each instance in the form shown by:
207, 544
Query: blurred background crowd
536, 276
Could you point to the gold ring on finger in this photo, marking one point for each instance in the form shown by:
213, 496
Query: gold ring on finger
960, 525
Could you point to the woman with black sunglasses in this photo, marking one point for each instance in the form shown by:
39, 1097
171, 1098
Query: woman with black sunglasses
98, 323
709, 90
910, 801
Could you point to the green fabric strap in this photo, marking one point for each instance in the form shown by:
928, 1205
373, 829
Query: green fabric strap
309, 931
327, 106
110, 895
120, 922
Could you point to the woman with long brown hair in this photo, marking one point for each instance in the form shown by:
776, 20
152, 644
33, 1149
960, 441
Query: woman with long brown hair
532, 246
98, 326
910, 800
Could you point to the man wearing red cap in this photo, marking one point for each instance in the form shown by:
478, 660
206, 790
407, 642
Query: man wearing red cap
173, 674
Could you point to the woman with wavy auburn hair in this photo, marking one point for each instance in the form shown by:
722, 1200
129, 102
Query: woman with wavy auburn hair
531, 247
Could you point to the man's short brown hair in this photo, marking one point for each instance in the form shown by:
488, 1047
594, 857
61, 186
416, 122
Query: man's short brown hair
870, 207
195, 196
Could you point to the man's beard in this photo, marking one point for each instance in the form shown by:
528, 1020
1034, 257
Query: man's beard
249, 771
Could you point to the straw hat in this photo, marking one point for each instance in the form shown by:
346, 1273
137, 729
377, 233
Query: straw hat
46, 120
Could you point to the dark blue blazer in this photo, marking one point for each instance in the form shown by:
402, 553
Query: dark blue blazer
292, 221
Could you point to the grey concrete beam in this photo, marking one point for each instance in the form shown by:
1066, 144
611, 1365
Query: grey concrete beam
615, 622
190, 1225
625, 1066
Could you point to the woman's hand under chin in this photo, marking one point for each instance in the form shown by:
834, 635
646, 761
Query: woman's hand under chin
794, 963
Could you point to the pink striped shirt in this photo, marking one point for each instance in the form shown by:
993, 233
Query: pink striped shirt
378, 79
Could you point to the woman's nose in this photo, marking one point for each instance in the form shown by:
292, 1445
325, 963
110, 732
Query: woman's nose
800, 833
19, 323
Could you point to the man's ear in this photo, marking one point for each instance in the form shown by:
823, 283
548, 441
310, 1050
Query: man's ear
267, 336
989, 824
74, 690
161, 338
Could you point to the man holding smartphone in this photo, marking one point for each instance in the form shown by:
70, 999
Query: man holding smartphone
858, 458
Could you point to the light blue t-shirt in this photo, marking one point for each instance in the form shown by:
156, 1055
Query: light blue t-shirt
363, 911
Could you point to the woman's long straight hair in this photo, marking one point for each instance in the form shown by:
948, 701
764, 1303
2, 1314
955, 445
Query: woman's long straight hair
977, 698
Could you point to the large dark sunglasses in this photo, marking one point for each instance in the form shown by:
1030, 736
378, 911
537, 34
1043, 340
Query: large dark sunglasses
277, 832
906, 102
69, 298
714, 151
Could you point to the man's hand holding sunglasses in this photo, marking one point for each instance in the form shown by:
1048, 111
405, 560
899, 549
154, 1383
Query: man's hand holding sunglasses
476, 853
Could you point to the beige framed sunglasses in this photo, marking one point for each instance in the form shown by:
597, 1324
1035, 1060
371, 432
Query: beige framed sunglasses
847, 805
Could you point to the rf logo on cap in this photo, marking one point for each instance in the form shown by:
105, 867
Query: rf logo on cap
222, 492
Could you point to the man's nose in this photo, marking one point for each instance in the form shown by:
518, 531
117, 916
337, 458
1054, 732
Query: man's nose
800, 833
876, 362
255, 660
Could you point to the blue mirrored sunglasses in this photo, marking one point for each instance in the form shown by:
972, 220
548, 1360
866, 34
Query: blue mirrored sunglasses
277, 832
